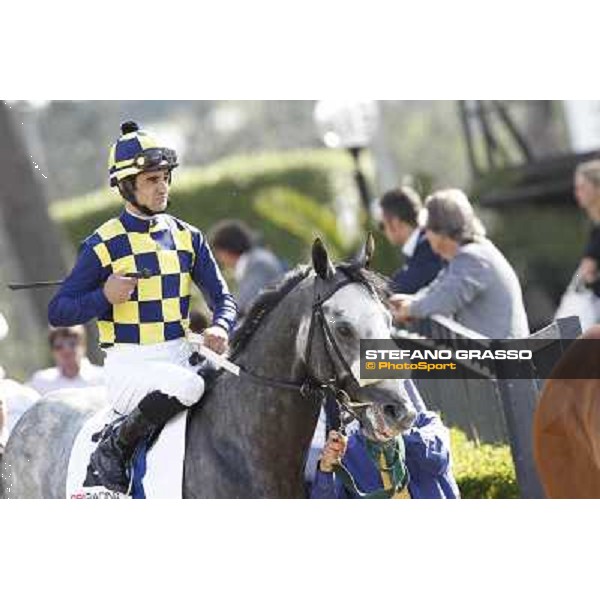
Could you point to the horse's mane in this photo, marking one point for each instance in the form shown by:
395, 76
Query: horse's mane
265, 302
272, 295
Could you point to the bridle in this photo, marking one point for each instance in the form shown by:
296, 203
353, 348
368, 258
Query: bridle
336, 392
342, 385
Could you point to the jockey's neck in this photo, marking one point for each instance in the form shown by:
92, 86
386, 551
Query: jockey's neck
138, 215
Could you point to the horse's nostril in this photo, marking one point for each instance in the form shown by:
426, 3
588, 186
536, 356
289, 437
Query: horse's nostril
391, 411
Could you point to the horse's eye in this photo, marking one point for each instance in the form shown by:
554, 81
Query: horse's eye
344, 330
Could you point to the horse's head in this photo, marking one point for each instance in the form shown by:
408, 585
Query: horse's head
348, 307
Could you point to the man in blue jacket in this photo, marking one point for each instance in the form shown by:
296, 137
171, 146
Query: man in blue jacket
400, 223
370, 469
134, 275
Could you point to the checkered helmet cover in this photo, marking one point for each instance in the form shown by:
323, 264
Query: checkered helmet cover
127, 153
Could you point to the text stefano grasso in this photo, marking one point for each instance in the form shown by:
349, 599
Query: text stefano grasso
403, 354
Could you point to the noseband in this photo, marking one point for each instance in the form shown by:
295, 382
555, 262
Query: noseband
342, 385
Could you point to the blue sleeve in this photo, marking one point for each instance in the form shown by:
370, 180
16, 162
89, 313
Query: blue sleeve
80, 297
426, 446
207, 276
418, 272
324, 487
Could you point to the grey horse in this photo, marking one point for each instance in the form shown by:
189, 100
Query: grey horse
249, 436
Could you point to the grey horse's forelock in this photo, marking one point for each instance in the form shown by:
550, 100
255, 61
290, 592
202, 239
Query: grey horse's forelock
376, 283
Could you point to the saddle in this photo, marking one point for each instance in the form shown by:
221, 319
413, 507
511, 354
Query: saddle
157, 465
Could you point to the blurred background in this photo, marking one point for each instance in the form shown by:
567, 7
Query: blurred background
292, 170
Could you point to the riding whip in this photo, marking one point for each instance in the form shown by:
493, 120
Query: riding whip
144, 274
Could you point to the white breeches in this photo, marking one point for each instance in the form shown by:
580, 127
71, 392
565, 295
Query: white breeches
132, 371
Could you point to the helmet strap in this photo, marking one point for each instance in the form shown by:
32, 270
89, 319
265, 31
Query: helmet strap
127, 190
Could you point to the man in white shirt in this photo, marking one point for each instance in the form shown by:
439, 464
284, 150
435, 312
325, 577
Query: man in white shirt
73, 369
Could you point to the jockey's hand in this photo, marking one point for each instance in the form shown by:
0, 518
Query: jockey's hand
335, 448
118, 288
216, 338
400, 306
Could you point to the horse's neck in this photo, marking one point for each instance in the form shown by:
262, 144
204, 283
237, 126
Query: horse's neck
273, 350
250, 438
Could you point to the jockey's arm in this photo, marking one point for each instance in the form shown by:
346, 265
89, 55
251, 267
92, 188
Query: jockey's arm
209, 280
81, 297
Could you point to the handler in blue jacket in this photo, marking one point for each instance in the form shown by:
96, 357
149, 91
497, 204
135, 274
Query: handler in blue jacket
424, 451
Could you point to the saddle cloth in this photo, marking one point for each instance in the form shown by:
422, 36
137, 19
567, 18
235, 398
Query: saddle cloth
163, 473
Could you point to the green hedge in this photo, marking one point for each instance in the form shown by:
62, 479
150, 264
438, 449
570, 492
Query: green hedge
482, 470
289, 197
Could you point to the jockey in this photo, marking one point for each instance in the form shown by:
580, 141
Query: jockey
134, 274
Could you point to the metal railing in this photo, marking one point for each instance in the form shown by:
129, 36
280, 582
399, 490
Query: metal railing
495, 407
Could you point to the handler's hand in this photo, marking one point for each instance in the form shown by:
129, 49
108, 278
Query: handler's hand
400, 306
216, 338
118, 288
335, 448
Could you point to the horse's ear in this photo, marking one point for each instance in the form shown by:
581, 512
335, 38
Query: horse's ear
321, 263
366, 254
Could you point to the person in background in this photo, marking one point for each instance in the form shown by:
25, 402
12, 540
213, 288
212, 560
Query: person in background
478, 288
587, 194
582, 296
424, 448
253, 266
72, 369
15, 398
400, 211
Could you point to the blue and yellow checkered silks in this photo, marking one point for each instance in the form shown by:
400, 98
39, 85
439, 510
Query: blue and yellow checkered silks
158, 310
123, 152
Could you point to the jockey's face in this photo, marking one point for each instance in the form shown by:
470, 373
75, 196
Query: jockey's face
152, 190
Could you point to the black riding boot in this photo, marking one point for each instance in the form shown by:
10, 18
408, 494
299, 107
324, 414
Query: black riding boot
109, 463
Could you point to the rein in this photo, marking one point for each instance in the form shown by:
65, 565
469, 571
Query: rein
331, 393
